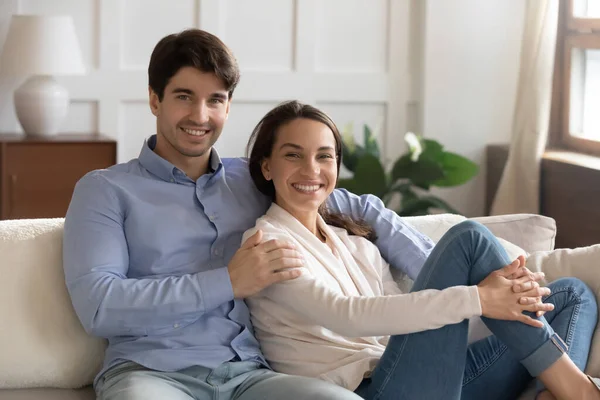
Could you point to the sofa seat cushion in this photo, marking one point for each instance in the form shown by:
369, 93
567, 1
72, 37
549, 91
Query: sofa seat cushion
86, 393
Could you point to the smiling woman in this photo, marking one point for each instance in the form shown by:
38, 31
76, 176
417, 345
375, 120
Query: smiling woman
343, 319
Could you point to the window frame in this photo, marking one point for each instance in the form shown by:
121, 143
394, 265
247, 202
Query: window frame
572, 33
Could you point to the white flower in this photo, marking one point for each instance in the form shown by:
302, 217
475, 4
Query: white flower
414, 145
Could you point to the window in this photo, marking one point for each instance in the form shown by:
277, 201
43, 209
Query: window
578, 80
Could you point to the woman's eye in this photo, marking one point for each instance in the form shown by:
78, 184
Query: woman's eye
326, 156
292, 155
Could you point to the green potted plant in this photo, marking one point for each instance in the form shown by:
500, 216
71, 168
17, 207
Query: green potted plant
425, 164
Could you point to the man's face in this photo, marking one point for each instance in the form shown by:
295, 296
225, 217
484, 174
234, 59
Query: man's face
190, 116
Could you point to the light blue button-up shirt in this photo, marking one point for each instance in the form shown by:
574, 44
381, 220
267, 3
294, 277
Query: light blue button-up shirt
146, 251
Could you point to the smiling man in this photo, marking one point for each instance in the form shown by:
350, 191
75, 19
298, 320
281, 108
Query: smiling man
151, 247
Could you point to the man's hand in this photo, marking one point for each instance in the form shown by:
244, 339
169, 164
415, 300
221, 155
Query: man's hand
257, 265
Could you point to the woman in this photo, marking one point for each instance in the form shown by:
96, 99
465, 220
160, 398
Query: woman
345, 320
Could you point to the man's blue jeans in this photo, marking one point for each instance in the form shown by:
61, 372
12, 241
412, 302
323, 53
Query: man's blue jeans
439, 364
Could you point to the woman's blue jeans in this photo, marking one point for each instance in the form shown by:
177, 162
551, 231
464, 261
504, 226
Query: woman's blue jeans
439, 364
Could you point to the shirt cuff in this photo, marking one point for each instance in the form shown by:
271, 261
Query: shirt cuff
475, 301
215, 287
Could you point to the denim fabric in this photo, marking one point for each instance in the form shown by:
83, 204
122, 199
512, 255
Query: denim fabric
439, 364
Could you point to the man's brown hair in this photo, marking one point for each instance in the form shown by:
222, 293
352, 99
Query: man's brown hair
191, 48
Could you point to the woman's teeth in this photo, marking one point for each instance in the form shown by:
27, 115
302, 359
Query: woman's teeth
194, 132
307, 188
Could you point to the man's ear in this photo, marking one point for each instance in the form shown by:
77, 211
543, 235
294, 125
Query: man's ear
153, 101
266, 169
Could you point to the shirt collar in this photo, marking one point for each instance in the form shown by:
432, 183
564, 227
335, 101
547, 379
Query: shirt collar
163, 168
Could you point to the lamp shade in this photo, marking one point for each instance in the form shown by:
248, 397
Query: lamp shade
41, 45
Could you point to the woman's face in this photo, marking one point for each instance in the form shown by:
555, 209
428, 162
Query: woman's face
302, 166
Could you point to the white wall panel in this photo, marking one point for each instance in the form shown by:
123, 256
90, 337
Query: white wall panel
260, 33
136, 123
82, 118
352, 35
144, 22
8, 118
243, 117
85, 17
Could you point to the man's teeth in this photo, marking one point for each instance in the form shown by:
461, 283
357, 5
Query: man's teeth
194, 132
307, 188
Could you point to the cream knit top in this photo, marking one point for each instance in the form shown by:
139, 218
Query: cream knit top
334, 321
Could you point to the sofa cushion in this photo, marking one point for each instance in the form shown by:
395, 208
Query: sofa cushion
504, 228
42, 343
530, 232
582, 263
86, 393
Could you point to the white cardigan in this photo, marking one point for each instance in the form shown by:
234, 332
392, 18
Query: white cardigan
334, 321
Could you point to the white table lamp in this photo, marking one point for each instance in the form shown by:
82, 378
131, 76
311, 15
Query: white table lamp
40, 47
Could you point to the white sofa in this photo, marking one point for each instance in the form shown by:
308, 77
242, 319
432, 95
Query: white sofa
46, 354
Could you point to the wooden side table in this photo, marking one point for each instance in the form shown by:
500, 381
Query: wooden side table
37, 175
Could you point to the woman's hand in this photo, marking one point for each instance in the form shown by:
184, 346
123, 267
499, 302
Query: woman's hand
530, 282
499, 301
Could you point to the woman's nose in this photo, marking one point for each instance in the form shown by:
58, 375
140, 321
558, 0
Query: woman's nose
311, 167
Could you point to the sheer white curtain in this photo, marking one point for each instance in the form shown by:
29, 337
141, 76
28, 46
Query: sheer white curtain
519, 189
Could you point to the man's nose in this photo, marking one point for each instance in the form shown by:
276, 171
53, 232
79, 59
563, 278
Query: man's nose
200, 113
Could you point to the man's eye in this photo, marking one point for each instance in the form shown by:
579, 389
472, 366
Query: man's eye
217, 101
183, 97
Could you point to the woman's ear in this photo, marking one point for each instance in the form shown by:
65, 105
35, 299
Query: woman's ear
266, 169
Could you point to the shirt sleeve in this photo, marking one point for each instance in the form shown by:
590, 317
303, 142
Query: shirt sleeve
359, 316
96, 263
399, 243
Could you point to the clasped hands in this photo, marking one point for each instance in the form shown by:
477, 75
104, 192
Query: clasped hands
508, 292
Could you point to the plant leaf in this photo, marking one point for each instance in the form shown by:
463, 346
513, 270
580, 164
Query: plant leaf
349, 157
421, 173
402, 188
414, 206
370, 176
440, 204
432, 150
348, 184
421, 206
458, 170
371, 145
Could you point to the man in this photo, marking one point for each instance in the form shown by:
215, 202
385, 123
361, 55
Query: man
151, 247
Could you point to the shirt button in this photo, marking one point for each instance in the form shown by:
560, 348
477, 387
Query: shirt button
176, 326
172, 180
211, 218
216, 252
